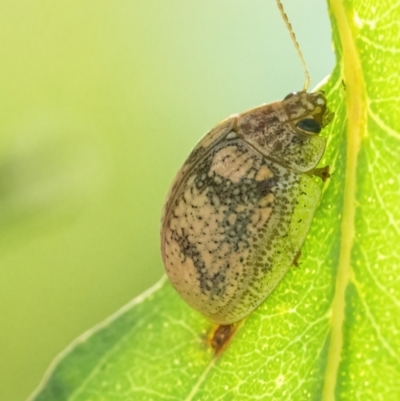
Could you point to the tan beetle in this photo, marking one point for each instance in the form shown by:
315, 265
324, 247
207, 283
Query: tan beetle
242, 204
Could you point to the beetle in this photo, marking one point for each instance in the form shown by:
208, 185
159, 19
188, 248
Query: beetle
240, 208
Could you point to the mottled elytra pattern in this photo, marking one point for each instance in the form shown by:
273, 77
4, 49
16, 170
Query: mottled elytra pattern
240, 208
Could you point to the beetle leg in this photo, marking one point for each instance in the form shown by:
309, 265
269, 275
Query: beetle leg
296, 259
322, 172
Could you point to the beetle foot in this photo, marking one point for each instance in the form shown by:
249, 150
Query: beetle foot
322, 172
221, 336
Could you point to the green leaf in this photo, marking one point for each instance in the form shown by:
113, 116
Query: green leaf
331, 328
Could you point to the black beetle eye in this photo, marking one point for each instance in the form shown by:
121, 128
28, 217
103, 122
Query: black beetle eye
309, 125
290, 95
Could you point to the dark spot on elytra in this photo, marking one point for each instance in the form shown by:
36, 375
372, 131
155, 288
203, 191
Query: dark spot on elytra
266, 186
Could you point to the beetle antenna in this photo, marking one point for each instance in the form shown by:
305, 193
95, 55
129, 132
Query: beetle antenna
296, 45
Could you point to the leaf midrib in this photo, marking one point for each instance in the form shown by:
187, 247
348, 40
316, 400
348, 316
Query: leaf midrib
356, 118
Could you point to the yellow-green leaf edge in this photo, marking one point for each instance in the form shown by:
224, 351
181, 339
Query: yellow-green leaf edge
330, 331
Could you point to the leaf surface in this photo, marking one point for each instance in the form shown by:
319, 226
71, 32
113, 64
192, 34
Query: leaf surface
331, 328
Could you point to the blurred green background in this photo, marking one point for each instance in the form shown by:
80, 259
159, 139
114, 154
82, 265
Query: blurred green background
100, 103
